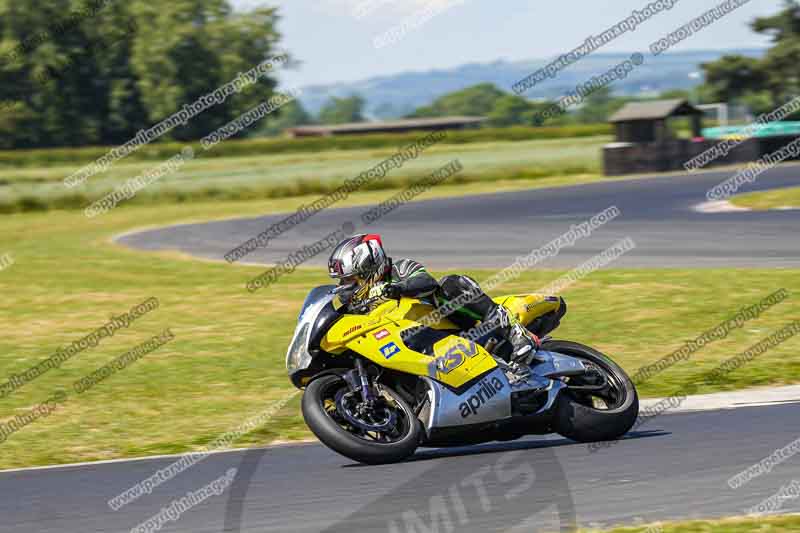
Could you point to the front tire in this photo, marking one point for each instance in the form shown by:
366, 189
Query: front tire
320, 412
578, 417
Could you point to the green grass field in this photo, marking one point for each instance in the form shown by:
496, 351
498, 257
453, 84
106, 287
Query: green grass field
292, 174
226, 361
774, 199
160, 150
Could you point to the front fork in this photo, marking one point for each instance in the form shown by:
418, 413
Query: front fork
366, 393
358, 380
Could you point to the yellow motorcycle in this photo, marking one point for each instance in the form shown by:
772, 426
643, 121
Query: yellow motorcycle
396, 376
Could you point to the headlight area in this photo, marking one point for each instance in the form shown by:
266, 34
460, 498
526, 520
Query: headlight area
298, 358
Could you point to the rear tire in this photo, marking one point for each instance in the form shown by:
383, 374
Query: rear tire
580, 422
336, 437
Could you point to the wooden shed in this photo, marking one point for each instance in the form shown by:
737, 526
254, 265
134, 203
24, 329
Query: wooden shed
646, 122
645, 142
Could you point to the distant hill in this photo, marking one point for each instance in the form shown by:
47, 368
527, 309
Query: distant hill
399, 94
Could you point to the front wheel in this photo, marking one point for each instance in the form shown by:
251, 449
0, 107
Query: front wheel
601, 405
385, 432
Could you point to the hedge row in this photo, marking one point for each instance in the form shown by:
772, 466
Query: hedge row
262, 146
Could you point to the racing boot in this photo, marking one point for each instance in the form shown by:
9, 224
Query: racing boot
524, 344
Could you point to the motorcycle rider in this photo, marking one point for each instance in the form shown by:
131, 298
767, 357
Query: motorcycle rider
365, 271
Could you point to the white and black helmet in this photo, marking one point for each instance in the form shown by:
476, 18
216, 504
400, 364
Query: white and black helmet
360, 255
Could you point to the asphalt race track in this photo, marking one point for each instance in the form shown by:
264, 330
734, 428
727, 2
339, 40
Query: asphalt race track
492, 230
675, 466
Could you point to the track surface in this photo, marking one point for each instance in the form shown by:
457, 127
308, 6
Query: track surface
675, 466
492, 230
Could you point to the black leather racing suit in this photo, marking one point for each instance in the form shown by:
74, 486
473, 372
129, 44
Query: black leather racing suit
414, 281
459, 298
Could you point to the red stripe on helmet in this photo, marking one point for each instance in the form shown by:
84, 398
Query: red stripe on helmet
373, 237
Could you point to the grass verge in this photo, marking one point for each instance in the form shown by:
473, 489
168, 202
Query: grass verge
226, 361
729, 525
774, 199
246, 147
254, 177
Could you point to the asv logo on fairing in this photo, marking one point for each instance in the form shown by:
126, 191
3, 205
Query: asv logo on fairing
487, 390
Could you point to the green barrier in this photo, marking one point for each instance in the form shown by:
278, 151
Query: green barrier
767, 130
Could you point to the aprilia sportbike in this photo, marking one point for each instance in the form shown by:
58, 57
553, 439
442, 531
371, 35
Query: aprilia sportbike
383, 381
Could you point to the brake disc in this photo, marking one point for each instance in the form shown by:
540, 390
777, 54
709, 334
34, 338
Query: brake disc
352, 409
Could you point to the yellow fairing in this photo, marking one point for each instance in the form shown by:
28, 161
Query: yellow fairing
376, 336
529, 307
455, 360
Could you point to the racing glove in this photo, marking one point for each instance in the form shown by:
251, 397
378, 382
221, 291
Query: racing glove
391, 291
386, 290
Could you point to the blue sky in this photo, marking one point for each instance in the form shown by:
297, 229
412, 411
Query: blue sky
335, 45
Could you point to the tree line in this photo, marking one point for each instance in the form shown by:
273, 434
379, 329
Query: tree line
90, 72
76, 73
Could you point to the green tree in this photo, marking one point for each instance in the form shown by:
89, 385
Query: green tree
513, 110
290, 115
509, 110
764, 83
191, 47
758, 102
342, 110
598, 106
732, 76
478, 100
781, 65
80, 72
784, 26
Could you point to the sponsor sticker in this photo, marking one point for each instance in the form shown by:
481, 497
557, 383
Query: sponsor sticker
486, 390
452, 358
352, 330
380, 334
388, 350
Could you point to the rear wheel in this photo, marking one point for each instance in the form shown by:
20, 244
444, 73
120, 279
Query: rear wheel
602, 405
385, 432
